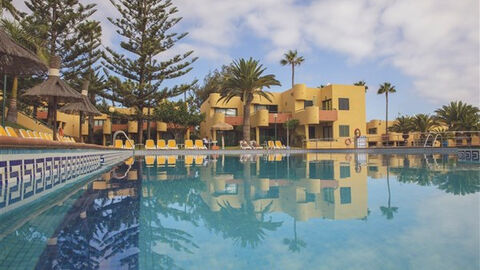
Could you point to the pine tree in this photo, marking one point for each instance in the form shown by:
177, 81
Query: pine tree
145, 26
84, 65
57, 22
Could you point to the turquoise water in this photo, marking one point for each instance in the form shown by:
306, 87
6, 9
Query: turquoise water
312, 211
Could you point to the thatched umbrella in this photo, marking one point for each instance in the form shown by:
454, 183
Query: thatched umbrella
16, 60
82, 107
54, 90
222, 127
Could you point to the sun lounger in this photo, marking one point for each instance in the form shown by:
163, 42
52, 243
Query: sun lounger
199, 160
149, 145
172, 144
118, 144
171, 160
11, 132
3, 132
279, 145
189, 144
129, 144
255, 145
199, 144
244, 145
161, 144
23, 133
271, 145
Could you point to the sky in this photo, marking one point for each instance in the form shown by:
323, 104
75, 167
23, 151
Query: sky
428, 49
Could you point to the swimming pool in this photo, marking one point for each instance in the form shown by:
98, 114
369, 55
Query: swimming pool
309, 211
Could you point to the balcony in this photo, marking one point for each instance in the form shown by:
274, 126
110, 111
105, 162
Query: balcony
281, 117
328, 115
234, 120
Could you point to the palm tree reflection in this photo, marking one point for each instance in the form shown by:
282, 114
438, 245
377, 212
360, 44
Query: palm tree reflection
295, 244
388, 210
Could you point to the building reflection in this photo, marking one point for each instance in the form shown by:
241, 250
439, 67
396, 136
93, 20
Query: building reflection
324, 186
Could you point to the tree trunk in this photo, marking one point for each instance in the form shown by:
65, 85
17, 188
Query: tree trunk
246, 120
140, 129
53, 114
293, 75
148, 124
386, 115
12, 105
80, 137
91, 122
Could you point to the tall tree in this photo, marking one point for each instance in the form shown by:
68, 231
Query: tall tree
145, 26
57, 23
362, 83
293, 59
386, 88
245, 80
6, 5
84, 65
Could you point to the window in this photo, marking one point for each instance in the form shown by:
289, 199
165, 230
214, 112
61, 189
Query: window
270, 108
327, 132
345, 195
344, 131
327, 104
372, 131
227, 111
343, 104
311, 132
98, 123
307, 103
344, 171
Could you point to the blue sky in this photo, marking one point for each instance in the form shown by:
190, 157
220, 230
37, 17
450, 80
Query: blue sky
428, 49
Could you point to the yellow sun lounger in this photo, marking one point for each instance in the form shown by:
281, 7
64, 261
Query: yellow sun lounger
149, 145
172, 144
199, 160
11, 132
36, 134
129, 144
279, 145
199, 144
118, 144
189, 144
3, 132
270, 145
161, 144
23, 133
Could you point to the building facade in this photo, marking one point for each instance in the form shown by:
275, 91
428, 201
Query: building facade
329, 117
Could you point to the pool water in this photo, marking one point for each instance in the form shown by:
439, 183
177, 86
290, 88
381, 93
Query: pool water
311, 211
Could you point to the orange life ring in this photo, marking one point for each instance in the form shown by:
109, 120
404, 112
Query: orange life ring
348, 141
358, 133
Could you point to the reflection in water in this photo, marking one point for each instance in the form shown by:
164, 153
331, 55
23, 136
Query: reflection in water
172, 212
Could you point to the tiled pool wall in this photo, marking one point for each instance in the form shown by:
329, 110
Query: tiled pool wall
26, 176
469, 155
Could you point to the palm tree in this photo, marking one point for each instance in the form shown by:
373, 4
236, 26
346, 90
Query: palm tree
403, 124
386, 88
423, 123
292, 58
362, 83
245, 80
458, 116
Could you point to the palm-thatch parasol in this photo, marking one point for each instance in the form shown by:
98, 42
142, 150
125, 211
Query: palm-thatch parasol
82, 107
54, 90
222, 127
18, 61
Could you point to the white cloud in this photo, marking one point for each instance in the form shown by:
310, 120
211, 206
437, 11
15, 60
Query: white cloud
435, 42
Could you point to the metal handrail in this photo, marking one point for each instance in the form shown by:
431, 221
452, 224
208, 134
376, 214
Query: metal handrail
124, 134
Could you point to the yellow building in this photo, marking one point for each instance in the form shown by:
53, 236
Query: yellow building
328, 117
